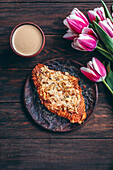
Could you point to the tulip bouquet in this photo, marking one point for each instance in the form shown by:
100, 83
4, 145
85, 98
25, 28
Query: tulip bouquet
96, 34
95, 71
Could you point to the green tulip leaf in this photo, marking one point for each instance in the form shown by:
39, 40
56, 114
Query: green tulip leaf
109, 77
91, 25
107, 40
104, 52
97, 20
107, 13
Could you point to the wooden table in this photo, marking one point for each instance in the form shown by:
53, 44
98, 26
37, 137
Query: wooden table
24, 145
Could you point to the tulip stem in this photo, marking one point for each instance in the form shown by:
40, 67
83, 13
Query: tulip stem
105, 53
108, 87
99, 48
100, 45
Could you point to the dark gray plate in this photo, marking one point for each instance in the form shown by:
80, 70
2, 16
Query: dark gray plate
39, 112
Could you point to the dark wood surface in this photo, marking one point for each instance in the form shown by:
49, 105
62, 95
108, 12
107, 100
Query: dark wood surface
24, 145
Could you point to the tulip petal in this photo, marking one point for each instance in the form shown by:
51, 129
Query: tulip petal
90, 74
107, 26
101, 79
95, 70
87, 42
109, 23
108, 41
92, 15
100, 12
84, 42
90, 65
97, 12
78, 13
70, 35
76, 21
99, 67
66, 23
77, 18
77, 46
75, 24
89, 31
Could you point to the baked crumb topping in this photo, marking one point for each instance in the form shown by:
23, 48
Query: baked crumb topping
60, 93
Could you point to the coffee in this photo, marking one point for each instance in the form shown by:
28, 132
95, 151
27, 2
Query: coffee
27, 40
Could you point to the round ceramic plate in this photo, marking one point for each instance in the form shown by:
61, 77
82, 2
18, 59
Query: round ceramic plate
39, 112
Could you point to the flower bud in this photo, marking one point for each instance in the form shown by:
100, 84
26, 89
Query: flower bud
97, 12
107, 26
76, 21
95, 70
84, 42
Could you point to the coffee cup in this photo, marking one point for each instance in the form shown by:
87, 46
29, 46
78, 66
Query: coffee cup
27, 39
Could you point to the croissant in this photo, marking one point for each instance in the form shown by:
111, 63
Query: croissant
60, 93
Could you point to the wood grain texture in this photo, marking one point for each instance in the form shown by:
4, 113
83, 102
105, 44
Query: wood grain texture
23, 144
11, 88
17, 123
53, 1
12, 13
55, 47
57, 154
48, 16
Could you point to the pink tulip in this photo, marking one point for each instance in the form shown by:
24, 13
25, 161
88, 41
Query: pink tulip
85, 42
95, 70
89, 31
76, 21
70, 35
107, 26
97, 12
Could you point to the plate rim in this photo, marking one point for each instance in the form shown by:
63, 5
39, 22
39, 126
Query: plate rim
58, 131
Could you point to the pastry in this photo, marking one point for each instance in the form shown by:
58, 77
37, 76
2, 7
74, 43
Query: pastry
60, 93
